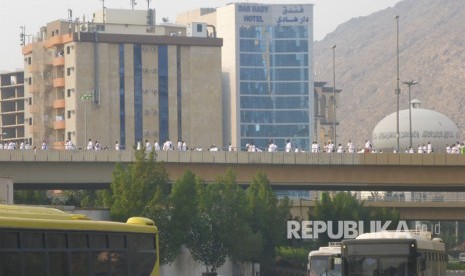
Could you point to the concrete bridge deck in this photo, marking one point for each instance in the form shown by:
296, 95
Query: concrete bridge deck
321, 171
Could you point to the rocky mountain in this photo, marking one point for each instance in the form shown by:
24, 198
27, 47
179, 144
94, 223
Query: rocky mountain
431, 51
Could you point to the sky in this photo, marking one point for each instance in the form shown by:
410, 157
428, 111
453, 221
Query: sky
32, 14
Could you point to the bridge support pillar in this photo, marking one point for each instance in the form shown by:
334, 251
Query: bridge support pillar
6, 190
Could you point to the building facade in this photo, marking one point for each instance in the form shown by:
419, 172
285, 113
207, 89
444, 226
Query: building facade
12, 102
116, 80
267, 64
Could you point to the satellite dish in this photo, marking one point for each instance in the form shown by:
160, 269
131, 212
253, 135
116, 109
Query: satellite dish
165, 19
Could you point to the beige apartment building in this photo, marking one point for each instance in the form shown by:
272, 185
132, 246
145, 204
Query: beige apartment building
12, 103
121, 78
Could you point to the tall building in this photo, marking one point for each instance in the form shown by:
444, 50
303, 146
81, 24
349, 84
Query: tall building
121, 78
267, 64
12, 103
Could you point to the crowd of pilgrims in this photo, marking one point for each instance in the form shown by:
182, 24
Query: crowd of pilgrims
328, 147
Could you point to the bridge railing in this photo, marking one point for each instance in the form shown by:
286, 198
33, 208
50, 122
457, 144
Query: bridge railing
224, 157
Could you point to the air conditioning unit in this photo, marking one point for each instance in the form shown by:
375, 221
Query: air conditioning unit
196, 29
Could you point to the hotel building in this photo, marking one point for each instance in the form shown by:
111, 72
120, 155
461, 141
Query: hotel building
267, 66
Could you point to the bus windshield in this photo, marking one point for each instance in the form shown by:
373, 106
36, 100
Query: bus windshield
320, 266
395, 266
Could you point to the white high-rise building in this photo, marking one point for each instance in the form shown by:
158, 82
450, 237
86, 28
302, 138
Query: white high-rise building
267, 64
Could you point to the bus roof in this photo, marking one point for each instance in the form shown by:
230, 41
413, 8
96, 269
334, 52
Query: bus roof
423, 239
31, 217
332, 249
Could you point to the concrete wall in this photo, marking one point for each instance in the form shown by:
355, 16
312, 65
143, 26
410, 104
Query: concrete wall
6, 190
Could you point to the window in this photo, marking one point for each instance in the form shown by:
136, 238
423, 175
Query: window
69, 114
68, 50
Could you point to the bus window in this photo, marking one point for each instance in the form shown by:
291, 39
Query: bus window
9, 240
80, 263
56, 240
32, 240
77, 240
10, 263
58, 263
35, 263
393, 266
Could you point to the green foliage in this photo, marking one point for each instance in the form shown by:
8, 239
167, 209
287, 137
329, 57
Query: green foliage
205, 242
295, 256
137, 188
268, 216
32, 197
344, 206
222, 207
84, 198
175, 219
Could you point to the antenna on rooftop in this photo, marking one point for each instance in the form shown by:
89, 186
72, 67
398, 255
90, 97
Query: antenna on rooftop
22, 35
103, 11
133, 3
70, 19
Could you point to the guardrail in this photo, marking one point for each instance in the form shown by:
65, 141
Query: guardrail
225, 157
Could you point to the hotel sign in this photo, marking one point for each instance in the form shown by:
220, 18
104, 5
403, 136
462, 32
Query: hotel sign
270, 15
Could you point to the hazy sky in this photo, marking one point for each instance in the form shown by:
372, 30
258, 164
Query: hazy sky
33, 14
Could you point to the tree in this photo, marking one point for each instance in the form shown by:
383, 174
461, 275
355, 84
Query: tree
268, 216
345, 207
32, 197
222, 225
137, 187
176, 218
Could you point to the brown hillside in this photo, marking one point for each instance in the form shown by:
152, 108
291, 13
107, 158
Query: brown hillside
431, 51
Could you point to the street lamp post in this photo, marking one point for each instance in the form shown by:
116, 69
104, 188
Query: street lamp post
85, 99
410, 83
398, 87
334, 94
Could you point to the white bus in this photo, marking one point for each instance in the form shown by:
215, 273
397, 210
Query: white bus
394, 253
325, 261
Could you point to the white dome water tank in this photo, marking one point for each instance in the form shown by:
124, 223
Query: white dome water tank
427, 126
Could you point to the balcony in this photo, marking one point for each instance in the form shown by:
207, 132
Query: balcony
58, 61
60, 103
67, 38
53, 41
59, 125
27, 49
58, 82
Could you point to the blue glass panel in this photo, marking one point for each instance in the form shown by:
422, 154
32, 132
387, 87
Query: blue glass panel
291, 32
274, 116
276, 88
138, 112
289, 46
279, 74
163, 92
275, 32
261, 102
122, 112
274, 60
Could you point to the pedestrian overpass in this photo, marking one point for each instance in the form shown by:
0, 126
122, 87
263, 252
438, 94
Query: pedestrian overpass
49, 169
